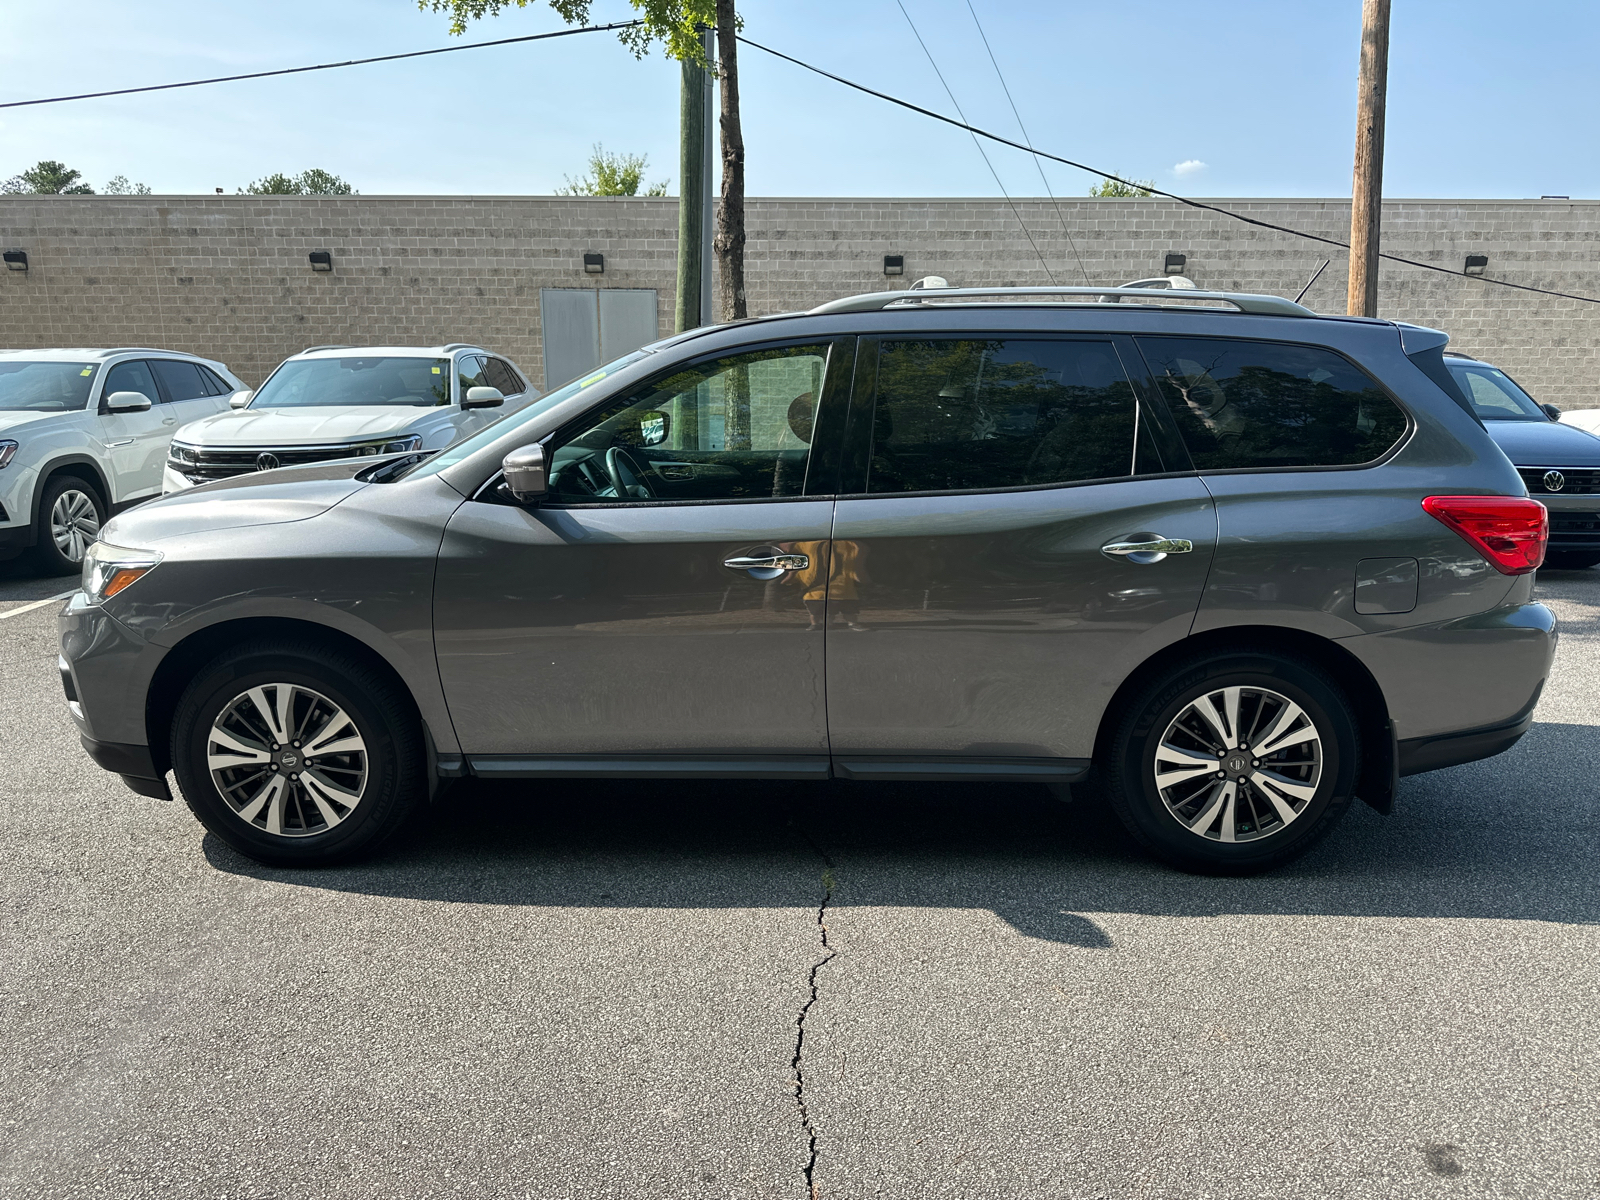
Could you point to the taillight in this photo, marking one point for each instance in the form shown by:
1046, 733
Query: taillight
1508, 531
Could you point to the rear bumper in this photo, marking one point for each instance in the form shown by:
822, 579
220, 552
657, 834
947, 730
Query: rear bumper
1464, 689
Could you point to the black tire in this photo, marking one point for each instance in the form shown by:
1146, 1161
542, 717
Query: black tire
1570, 560
390, 766
1269, 839
48, 557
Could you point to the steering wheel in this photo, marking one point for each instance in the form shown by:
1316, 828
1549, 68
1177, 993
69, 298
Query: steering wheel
626, 475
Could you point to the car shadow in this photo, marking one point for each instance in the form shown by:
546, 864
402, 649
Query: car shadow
1510, 838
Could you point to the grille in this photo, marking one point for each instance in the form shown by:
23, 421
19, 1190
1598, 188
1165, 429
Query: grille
1568, 528
1578, 481
225, 464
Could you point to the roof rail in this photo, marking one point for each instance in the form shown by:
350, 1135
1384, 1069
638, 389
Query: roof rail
461, 346
330, 346
1244, 302
142, 350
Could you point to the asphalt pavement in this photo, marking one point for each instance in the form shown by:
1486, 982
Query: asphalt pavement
579, 989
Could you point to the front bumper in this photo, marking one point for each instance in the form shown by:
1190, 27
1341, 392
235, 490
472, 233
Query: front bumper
106, 671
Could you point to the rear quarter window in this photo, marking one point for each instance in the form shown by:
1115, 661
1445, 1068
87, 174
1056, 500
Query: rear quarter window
1242, 404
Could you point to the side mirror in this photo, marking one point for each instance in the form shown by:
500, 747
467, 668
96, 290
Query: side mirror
654, 427
1551, 411
483, 397
241, 399
127, 402
525, 473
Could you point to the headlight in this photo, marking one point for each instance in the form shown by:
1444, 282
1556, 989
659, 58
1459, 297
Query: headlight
180, 456
403, 445
8, 451
108, 569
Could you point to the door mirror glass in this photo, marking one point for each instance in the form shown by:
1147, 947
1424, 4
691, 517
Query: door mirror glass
526, 478
482, 397
241, 399
127, 402
654, 428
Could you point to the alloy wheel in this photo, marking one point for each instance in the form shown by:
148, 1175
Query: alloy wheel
1239, 764
74, 524
287, 760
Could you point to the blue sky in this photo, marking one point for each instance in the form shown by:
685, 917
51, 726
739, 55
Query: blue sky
1486, 99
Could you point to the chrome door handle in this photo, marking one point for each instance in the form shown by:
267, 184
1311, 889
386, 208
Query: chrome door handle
1152, 551
777, 562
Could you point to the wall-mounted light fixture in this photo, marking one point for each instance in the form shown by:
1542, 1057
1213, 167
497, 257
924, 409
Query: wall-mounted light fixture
1175, 264
894, 264
16, 260
594, 264
1475, 264
321, 260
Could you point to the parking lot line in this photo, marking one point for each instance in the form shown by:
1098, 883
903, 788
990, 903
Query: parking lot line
17, 612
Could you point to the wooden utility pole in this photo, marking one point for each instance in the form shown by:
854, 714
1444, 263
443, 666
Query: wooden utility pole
694, 175
1366, 193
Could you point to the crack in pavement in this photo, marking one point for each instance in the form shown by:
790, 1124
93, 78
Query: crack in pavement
799, 1080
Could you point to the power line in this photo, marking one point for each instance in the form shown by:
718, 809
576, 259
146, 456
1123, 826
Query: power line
354, 62
1200, 204
1036, 162
977, 144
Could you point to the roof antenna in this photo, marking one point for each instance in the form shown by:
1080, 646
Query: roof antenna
1312, 280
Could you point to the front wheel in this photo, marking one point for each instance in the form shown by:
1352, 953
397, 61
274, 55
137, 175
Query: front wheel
297, 755
1234, 764
70, 515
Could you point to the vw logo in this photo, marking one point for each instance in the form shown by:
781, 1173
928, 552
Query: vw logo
268, 462
1554, 481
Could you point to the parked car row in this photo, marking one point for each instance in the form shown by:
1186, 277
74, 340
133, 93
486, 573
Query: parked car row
84, 433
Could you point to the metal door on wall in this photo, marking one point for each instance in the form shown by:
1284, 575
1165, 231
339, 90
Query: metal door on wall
584, 327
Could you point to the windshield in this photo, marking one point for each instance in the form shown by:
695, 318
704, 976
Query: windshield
455, 453
45, 386
367, 382
1494, 397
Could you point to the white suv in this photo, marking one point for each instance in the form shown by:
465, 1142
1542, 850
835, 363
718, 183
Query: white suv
331, 402
85, 431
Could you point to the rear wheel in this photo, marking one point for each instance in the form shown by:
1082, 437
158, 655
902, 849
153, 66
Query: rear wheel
70, 515
1570, 560
1234, 764
297, 755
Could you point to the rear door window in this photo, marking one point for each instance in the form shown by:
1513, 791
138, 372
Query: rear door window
181, 380
499, 375
954, 415
1243, 404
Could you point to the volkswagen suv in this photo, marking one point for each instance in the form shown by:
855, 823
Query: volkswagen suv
1246, 562
331, 402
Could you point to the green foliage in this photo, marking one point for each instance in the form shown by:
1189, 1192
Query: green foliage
315, 182
47, 178
612, 175
1112, 189
670, 22
118, 185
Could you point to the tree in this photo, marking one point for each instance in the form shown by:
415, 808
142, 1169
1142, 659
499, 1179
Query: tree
612, 175
676, 25
315, 182
1110, 188
47, 178
118, 185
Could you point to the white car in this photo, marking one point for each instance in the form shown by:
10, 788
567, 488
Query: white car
332, 402
85, 432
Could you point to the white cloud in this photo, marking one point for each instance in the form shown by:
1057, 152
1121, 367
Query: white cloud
1188, 167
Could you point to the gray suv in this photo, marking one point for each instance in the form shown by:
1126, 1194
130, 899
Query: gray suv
1245, 562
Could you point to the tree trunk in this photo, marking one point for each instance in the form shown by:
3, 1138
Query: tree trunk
729, 241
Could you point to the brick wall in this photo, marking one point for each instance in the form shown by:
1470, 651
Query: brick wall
227, 276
